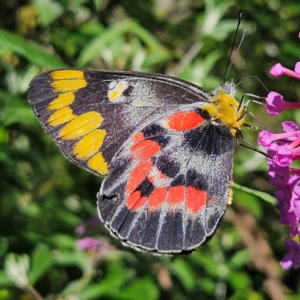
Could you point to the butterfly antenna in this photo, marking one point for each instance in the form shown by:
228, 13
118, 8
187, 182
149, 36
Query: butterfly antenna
248, 145
234, 39
252, 76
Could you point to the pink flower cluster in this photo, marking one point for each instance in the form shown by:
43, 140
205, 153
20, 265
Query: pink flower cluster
95, 246
284, 149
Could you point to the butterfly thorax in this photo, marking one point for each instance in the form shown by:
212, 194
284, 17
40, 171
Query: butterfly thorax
226, 110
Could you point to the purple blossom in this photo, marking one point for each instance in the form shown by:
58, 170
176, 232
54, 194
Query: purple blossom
289, 126
88, 243
96, 247
283, 149
283, 157
279, 70
274, 103
285, 217
297, 67
292, 258
278, 176
266, 137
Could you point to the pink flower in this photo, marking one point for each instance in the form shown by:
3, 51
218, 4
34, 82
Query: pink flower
88, 243
289, 126
297, 67
292, 258
279, 70
274, 103
267, 138
283, 149
283, 157
95, 247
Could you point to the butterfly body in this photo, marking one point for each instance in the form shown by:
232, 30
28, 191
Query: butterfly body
164, 145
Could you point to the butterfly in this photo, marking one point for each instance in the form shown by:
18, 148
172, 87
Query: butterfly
164, 146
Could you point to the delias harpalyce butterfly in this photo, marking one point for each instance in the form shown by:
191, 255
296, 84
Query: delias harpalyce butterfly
165, 147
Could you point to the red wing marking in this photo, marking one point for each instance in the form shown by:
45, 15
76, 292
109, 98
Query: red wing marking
157, 197
137, 137
137, 176
176, 195
184, 120
195, 199
135, 201
145, 149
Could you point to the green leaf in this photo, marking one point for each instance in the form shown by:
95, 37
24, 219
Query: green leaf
63, 241
26, 113
94, 291
182, 270
41, 262
74, 287
48, 11
110, 285
72, 258
4, 280
30, 51
239, 280
264, 196
5, 294
15, 111
208, 285
239, 259
4, 242
140, 289
94, 48
98, 4
249, 201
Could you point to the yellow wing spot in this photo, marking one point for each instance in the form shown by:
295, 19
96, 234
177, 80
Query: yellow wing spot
61, 116
81, 126
66, 85
89, 144
116, 89
62, 100
67, 74
98, 164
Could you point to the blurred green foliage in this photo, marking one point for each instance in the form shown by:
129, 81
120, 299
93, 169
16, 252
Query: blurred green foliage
44, 198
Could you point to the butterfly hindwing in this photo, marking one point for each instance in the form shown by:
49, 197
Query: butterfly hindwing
90, 114
169, 183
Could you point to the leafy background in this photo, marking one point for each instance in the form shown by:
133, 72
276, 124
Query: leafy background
44, 198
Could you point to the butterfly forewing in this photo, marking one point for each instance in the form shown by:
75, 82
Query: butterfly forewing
90, 114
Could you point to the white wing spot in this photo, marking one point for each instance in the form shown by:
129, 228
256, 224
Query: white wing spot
116, 89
